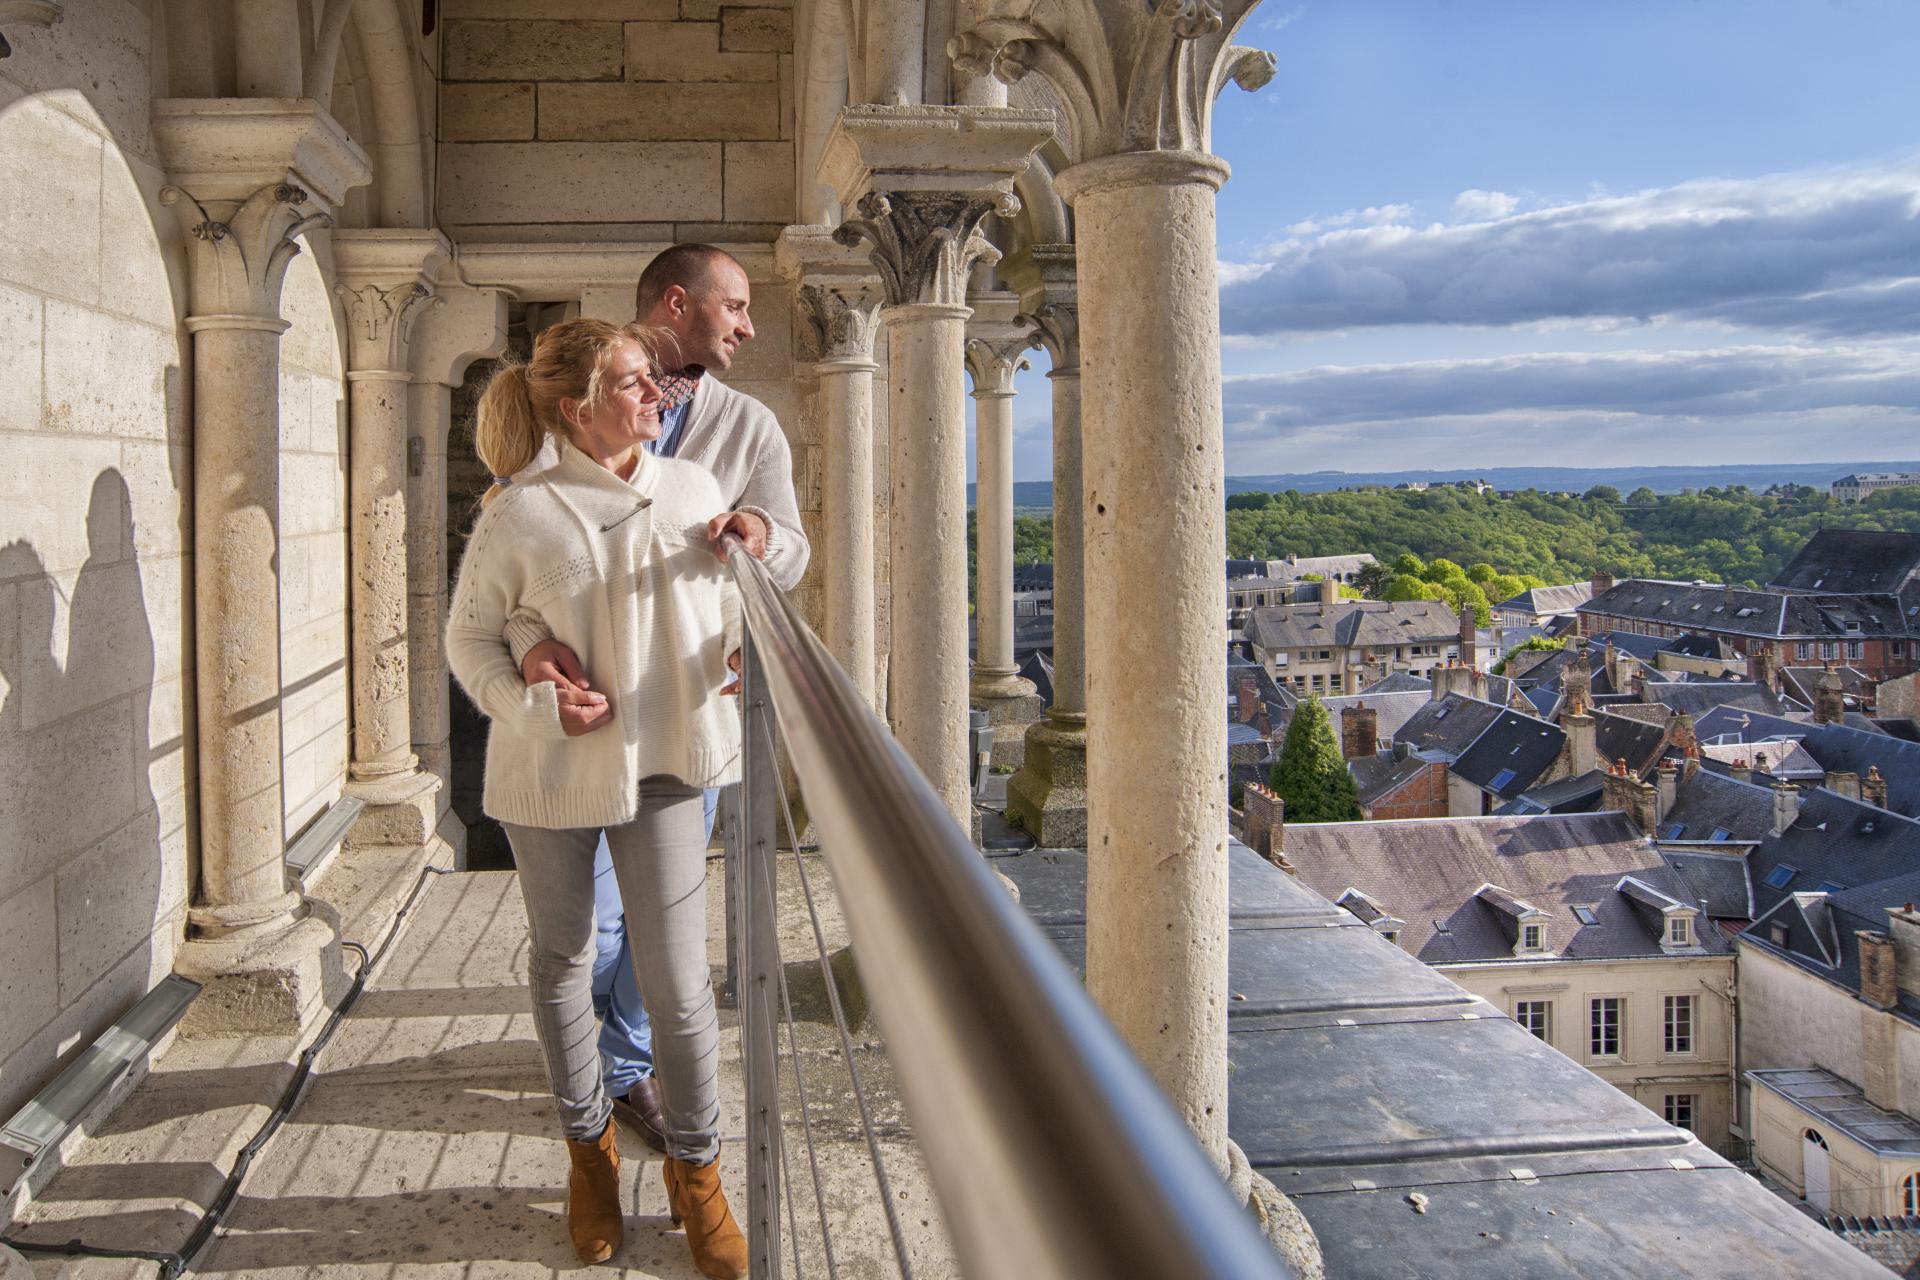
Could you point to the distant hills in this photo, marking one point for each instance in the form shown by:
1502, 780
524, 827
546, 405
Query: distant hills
1039, 493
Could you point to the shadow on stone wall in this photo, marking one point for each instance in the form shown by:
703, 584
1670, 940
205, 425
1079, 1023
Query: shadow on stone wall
80, 834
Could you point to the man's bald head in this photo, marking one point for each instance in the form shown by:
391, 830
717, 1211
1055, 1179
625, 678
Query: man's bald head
690, 266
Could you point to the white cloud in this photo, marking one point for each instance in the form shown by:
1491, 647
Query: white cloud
1475, 205
1833, 253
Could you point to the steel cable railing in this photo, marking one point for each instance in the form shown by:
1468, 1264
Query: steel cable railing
1051, 1151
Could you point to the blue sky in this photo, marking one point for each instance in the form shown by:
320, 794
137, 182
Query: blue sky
1473, 232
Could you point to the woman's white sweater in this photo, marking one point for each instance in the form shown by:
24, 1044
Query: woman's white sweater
620, 571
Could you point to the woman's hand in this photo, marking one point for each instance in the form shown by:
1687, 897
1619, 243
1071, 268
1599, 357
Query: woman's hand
732, 687
581, 711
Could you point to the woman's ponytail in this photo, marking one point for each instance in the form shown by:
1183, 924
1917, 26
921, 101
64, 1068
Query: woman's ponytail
507, 435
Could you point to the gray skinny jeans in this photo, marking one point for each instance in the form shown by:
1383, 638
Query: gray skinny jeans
660, 860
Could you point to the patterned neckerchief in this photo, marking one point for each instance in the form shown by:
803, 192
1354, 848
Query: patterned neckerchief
678, 388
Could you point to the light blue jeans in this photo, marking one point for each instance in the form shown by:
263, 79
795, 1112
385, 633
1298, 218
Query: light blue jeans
626, 1037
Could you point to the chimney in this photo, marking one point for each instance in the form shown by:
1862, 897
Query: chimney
1446, 680
1762, 668
1829, 703
1680, 734
1576, 678
1251, 709
1265, 822
1610, 663
1602, 581
1761, 764
1668, 791
1623, 792
1843, 782
1874, 789
1741, 771
1786, 805
1359, 731
1636, 681
1469, 639
1581, 752
1879, 969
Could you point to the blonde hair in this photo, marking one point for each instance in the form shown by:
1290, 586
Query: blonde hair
521, 406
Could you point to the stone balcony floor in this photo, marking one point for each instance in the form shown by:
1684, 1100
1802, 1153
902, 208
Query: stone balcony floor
426, 1144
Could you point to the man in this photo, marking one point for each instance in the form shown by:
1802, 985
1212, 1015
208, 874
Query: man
699, 295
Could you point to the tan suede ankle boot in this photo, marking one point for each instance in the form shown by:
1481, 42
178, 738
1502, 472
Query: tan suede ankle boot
593, 1197
695, 1198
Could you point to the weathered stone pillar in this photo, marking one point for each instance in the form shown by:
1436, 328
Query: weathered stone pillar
249, 178
1136, 84
1048, 796
997, 343
384, 280
464, 325
837, 303
921, 179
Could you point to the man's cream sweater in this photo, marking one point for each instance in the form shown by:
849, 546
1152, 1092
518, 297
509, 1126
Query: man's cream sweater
621, 572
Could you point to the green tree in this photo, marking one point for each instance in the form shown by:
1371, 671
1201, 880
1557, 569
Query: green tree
1409, 565
1531, 644
1643, 497
1481, 572
1604, 493
1440, 569
1405, 586
1310, 775
1372, 579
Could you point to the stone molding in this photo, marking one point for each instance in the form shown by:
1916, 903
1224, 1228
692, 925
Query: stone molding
225, 149
382, 279
925, 243
918, 148
237, 255
467, 324
1129, 76
536, 271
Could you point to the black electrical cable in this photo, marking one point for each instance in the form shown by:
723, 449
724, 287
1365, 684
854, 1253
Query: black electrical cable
174, 1265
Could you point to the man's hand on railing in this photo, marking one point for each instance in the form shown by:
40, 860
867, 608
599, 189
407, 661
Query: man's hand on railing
744, 525
581, 709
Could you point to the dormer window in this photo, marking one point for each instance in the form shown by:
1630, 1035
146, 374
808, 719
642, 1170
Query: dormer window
1532, 937
1679, 931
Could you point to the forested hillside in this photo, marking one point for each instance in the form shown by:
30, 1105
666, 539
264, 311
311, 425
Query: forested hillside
1720, 535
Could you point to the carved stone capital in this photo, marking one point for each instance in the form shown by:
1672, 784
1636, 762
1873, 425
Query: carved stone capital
223, 149
1131, 75
26, 13
238, 251
837, 322
464, 325
997, 343
924, 244
1047, 281
385, 282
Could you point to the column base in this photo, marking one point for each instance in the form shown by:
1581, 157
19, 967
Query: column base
401, 809
1282, 1223
1047, 798
1011, 705
270, 984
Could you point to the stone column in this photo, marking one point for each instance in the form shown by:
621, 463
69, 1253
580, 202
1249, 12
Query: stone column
249, 178
922, 221
1136, 85
837, 302
996, 350
384, 280
465, 325
1048, 796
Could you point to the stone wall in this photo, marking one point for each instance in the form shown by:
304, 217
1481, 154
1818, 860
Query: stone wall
96, 733
315, 629
566, 128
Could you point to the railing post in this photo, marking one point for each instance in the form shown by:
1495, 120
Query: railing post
758, 954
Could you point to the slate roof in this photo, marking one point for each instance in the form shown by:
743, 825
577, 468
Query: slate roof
1638, 742
1278, 701
1721, 881
1037, 576
1341, 567
1852, 560
1835, 747
1539, 601
1736, 611
1786, 758
1697, 697
1801, 682
1427, 871
1393, 709
1039, 668
1894, 1243
1510, 754
1349, 623
1400, 682
1446, 728
1840, 1105
1381, 775
1578, 794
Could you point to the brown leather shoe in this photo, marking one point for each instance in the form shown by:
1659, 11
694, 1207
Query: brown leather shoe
695, 1198
593, 1197
641, 1109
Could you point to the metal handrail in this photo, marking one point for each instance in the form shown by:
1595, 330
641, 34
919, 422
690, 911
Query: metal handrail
1052, 1151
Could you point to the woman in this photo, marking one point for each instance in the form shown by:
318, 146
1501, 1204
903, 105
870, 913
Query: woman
607, 549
